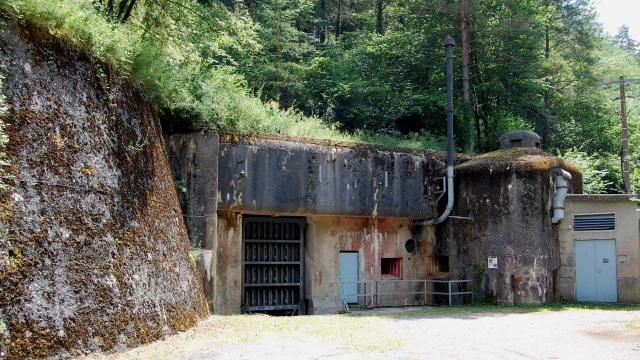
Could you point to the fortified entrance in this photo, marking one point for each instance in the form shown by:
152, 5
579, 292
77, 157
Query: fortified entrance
272, 266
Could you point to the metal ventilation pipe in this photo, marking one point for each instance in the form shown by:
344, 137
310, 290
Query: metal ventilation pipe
561, 187
449, 43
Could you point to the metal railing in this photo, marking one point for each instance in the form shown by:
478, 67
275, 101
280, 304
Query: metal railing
373, 291
449, 293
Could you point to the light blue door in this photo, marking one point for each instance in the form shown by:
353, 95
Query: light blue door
596, 278
349, 276
606, 279
586, 271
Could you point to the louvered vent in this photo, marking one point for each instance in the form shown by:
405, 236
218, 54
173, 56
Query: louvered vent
594, 222
273, 265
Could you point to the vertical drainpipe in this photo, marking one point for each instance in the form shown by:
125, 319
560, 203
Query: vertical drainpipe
449, 43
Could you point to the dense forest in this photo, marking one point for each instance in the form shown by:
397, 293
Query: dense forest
371, 70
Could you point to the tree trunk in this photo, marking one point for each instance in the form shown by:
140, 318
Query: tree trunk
542, 126
339, 19
121, 7
466, 95
379, 17
322, 35
478, 110
464, 34
127, 13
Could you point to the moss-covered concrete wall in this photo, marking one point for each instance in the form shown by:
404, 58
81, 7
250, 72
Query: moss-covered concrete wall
96, 256
226, 295
506, 196
365, 193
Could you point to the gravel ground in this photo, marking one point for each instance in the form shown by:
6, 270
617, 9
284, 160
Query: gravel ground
570, 334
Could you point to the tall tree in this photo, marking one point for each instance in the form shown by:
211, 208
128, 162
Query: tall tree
466, 89
284, 46
379, 17
570, 35
624, 40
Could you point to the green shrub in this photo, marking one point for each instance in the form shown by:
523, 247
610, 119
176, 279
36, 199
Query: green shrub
600, 174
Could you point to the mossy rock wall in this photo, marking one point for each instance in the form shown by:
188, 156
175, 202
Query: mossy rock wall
94, 254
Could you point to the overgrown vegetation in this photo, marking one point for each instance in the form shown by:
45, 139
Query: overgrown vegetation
599, 174
370, 70
185, 56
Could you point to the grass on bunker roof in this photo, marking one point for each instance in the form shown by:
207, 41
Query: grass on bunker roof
524, 158
358, 332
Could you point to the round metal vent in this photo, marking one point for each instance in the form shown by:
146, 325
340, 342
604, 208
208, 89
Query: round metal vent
411, 246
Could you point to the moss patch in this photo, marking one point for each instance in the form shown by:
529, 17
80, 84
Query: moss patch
97, 256
522, 158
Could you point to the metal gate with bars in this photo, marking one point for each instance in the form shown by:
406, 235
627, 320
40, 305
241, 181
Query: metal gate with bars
272, 266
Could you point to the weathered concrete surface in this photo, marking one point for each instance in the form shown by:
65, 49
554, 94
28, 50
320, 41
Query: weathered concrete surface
96, 256
508, 195
284, 176
373, 239
325, 237
372, 186
226, 264
626, 235
348, 190
194, 164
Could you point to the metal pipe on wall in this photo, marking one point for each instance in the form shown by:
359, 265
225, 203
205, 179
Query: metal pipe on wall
449, 43
561, 187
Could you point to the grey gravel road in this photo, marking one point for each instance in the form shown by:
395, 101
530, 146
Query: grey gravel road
573, 334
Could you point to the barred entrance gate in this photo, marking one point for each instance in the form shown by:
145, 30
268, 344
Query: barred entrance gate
272, 266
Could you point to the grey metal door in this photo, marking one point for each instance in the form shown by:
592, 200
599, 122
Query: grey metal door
596, 278
349, 276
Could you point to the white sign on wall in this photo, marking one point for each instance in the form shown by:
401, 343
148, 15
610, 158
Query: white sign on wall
492, 262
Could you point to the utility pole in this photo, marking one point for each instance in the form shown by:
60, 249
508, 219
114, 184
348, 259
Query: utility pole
625, 139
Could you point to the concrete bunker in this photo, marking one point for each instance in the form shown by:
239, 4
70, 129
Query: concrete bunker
504, 239
345, 198
358, 203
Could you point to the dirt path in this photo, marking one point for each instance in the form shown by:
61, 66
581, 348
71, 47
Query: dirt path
572, 334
